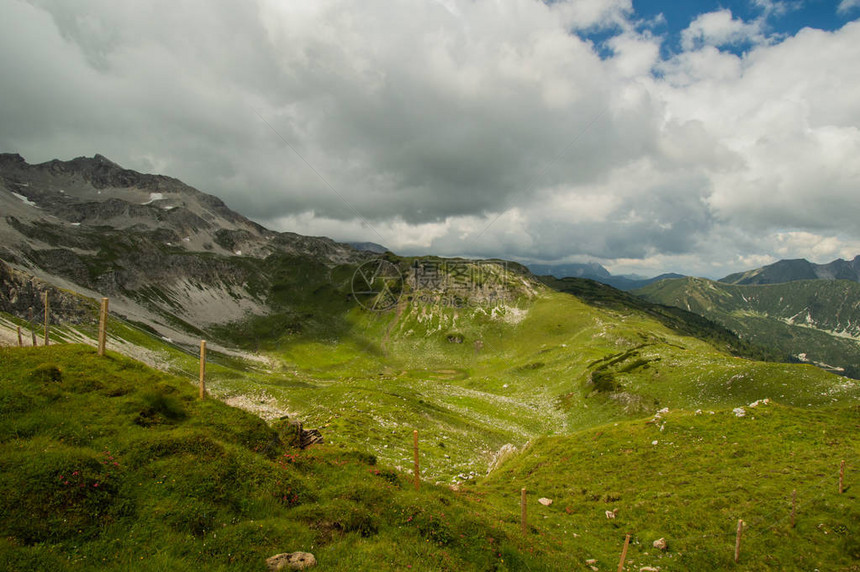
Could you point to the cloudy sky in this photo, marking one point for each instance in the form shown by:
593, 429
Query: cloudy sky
702, 137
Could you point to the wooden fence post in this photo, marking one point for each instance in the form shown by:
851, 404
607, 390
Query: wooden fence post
103, 316
20, 339
793, 506
523, 516
624, 553
32, 329
416, 472
202, 369
738, 540
841, 476
46, 318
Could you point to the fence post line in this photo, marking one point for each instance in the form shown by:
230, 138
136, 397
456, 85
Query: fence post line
738, 540
20, 339
523, 514
841, 476
103, 316
202, 369
793, 506
624, 553
416, 472
46, 318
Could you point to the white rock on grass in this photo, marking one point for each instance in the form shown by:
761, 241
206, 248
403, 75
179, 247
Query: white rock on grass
291, 561
739, 412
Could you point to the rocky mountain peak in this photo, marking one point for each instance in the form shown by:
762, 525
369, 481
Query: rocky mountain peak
11, 159
57, 203
155, 245
98, 158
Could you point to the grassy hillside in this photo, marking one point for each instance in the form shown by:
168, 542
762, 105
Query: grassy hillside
106, 461
678, 320
813, 320
110, 465
688, 478
483, 377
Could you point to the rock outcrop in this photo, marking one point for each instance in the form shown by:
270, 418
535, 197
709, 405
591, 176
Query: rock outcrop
291, 561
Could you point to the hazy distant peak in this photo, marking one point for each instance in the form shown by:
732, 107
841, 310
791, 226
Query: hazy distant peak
798, 269
369, 247
571, 269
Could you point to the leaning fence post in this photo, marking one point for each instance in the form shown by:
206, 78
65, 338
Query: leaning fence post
416, 473
841, 476
738, 540
103, 316
202, 369
523, 515
793, 506
46, 318
624, 553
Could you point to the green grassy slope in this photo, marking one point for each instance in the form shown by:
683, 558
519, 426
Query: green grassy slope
109, 465
817, 318
546, 363
482, 375
688, 478
678, 320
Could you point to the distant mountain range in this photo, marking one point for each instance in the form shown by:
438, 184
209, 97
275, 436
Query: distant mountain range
369, 247
776, 273
798, 269
598, 273
179, 266
680, 320
801, 310
816, 321
179, 262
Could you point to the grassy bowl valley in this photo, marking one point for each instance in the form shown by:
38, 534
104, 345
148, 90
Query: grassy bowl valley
601, 408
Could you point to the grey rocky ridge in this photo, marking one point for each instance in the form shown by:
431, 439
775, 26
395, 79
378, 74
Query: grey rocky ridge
170, 257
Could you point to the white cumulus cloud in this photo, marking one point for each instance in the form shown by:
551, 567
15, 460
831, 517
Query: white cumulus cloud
720, 28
